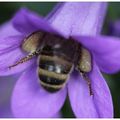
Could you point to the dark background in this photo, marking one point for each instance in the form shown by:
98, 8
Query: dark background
6, 12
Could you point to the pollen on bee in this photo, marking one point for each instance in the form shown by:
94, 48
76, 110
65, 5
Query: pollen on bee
32, 42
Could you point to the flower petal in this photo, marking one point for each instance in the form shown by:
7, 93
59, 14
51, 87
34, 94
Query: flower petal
33, 100
10, 53
106, 51
78, 18
59, 21
6, 86
7, 29
102, 95
10, 43
57, 115
80, 99
28, 22
86, 106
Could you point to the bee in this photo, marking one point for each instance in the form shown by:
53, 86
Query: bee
56, 57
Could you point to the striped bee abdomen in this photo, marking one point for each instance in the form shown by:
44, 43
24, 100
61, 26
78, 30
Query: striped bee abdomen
53, 70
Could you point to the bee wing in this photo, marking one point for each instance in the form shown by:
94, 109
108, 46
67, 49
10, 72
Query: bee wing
33, 42
84, 63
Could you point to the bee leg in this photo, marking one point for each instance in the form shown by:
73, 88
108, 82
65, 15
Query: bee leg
25, 59
85, 77
84, 66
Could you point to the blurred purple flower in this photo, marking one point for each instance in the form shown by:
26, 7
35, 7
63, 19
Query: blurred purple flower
82, 21
114, 28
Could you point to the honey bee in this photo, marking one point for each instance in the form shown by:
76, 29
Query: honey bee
57, 57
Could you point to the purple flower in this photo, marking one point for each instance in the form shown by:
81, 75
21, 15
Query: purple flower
82, 22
